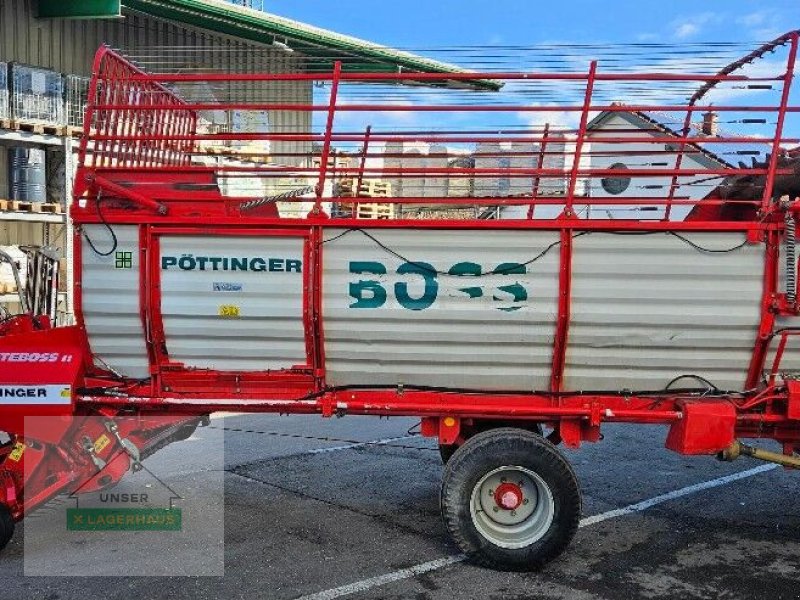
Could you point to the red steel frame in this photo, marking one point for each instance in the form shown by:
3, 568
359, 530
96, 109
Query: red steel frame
137, 130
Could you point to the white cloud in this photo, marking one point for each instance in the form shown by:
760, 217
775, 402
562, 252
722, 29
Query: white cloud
558, 120
752, 19
727, 92
766, 34
685, 30
763, 25
687, 27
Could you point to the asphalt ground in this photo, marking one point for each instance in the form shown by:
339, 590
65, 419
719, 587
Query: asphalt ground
314, 508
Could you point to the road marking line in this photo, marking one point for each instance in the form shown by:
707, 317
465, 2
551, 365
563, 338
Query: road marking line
433, 565
359, 445
685, 491
366, 584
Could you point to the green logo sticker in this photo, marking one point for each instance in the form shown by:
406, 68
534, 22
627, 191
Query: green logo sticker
123, 260
124, 519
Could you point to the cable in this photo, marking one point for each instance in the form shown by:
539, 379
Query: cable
710, 385
511, 270
426, 268
114, 242
707, 250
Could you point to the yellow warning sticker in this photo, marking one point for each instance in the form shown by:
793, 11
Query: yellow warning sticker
17, 452
229, 311
101, 443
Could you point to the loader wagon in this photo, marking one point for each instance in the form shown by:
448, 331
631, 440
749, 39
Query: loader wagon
506, 337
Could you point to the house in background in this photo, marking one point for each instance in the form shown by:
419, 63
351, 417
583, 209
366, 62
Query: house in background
649, 154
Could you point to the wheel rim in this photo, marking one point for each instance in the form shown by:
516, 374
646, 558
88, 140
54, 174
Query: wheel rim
512, 507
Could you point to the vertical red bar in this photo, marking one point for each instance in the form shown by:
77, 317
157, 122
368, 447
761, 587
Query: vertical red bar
687, 125
125, 128
326, 146
564, 312
776, 143
776, 361
92, 100
539, 167
587, 102
363, 164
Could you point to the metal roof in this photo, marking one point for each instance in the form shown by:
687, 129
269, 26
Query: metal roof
321, 44
637, 117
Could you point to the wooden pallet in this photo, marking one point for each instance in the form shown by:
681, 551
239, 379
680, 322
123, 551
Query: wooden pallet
333, 163
53, 208
375, 211
8, 288
371, 210
31, 127
370, 188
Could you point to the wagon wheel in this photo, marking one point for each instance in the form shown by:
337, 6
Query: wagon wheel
446, 451
6, 526
510, 499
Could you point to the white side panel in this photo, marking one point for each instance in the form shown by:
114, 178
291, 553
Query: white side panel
489, 341
268, 331
110, 300
648, 308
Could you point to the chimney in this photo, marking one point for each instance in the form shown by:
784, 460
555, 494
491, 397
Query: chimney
710, 124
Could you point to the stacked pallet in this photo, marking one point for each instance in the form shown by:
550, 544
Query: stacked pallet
33, 127
334, 162
369, 188
53, 208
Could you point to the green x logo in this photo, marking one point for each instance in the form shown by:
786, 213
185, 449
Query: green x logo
123, 260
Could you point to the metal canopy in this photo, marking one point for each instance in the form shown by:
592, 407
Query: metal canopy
323, 47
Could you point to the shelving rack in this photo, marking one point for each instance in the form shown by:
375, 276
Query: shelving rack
56, 228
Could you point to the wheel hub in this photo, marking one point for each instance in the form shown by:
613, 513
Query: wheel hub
512, 507
508, 496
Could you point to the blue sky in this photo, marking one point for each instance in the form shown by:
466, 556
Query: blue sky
447, 22
424, 25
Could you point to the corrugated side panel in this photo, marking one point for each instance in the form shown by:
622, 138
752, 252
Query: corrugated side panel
110, 300
647, 308
268, 332
486, 337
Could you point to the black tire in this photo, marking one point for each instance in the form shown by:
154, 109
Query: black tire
493, 450
6, 526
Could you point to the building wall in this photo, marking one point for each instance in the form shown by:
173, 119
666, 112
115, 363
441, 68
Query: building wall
646, 155
68, 46
642, 156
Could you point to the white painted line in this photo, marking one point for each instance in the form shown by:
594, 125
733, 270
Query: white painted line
366, 584
686, 491
433, 565
359, 445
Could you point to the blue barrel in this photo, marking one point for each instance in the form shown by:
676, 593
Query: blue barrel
26, 174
